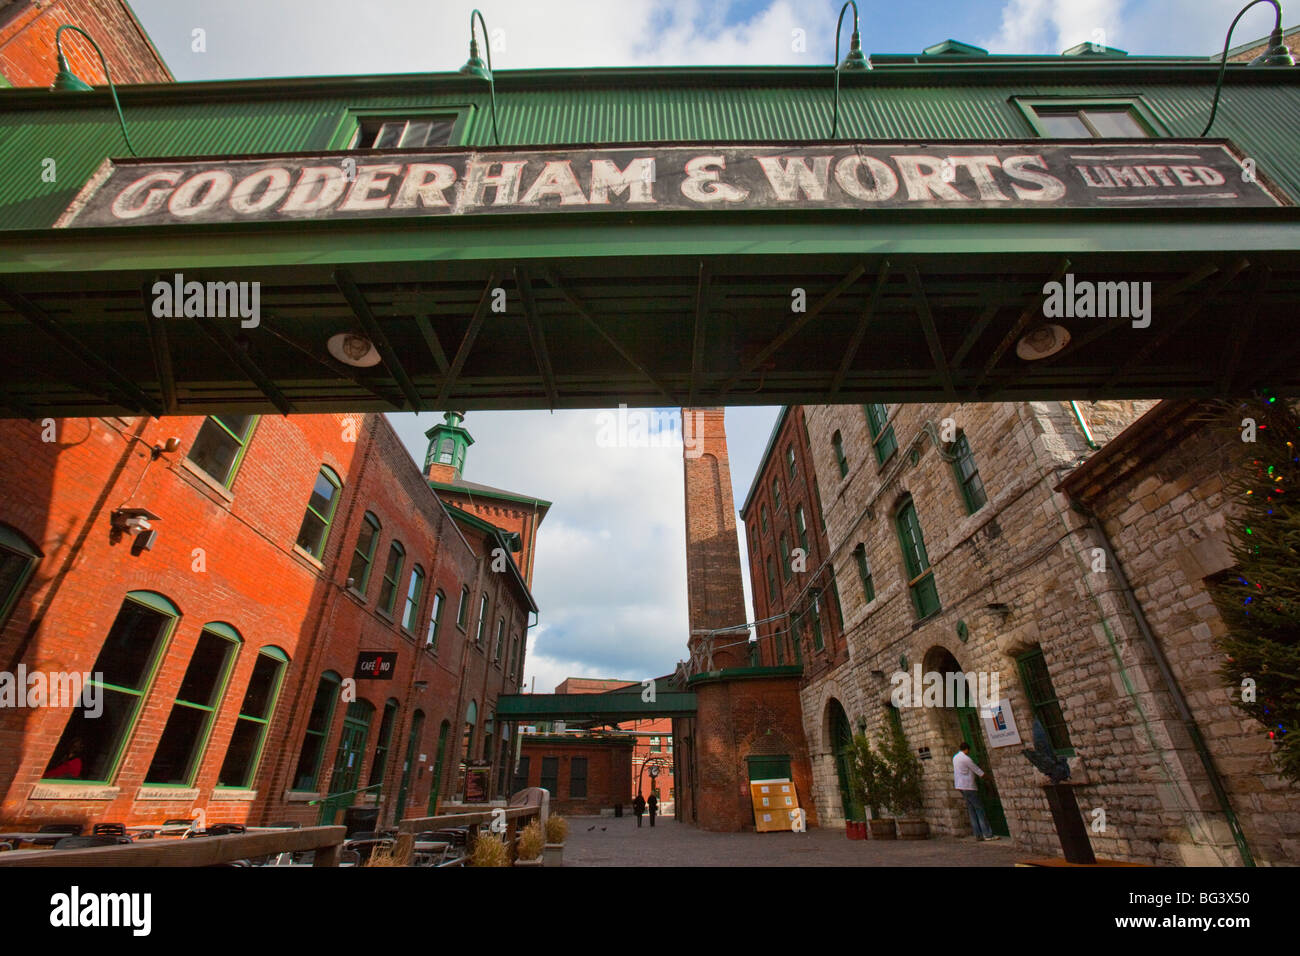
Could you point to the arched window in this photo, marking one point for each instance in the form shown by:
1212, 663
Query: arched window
180, 748
18, 558
445, 451
92, 747
318, 727
837, 443
501, 639
801, 525
482, 620
762, 517
435, 620
462, 612
384, 743
968, 476
320, 512
776, 493
882, 434
414, 591
785, 557
245, 750
363, 556
920, 577
392, 572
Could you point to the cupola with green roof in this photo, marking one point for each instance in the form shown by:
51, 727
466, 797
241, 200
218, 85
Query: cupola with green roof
448, 442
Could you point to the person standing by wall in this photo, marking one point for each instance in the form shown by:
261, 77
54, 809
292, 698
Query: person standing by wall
964, 771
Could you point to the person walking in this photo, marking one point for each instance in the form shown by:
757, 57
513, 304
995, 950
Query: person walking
653, 804
638, 807
964, 772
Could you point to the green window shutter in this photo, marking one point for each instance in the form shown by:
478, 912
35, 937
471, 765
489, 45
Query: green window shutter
882, 435
1043, 700
925, 596
968, 476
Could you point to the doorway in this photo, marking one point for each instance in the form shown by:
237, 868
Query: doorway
969, 729
842, 749
347, 761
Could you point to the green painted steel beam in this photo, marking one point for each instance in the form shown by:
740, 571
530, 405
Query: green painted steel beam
528, 707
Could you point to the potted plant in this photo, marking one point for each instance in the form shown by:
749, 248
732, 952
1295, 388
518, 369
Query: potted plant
489, 850
872, 779
529, 845
557, 829
905, 784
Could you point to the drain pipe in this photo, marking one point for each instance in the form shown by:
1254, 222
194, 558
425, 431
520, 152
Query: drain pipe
1087, 432
1175, 691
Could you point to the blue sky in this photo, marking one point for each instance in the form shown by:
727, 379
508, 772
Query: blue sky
611, 571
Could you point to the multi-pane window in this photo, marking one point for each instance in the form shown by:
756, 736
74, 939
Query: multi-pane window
762, 517
785, 558
1043, 700
176, 760
17, 561
462, 612
864, 573
801, 526
771, 579
414, 591
482, 620
789, 459
320, 512
383, 744
882, 433
404, 133
578, 777
837, 443
514, 657
318, 726
815, 615
550, 775
91, 747
654, 745
364, 554
501, 639
920, 576
776, 494
1091, 122
968, 476
254, 718
435, 620
219, 446
392, 573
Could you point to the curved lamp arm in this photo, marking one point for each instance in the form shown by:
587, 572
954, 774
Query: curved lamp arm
65, 70
1275, 40
855, 60
492, 82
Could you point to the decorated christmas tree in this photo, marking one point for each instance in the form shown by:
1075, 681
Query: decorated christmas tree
1260, 598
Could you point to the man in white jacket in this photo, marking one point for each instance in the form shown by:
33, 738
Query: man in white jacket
964, 771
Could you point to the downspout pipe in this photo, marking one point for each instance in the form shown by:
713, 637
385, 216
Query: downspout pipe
1087, 432
1175, 691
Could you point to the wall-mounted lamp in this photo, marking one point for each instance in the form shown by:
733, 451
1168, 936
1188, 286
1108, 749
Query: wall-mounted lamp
854, 61
1276, 54
474, 66
67, 81
164, 448
135, 522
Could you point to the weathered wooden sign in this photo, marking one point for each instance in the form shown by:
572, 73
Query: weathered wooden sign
812, 176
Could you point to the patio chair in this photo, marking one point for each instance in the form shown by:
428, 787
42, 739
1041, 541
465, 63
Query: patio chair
57, 832
82, 842
224, 829
109, 829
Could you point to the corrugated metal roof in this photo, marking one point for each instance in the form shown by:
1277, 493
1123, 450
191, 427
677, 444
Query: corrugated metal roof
77, 131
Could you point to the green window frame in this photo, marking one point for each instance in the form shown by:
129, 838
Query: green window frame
414, 592
435, 620
363, 556
776, 493
379, 763
882, 433
124, 671
244, 752
578, 777
219, 447
771, 581
482, 620
790, 461
1044, 703
18, 559
500, 645
801, 526
864, 573
356, 122
837, 443
1049, 117
307, 773
324, 499
392, 574
920, 576
968, 476
179, 752
785, 558
462, 612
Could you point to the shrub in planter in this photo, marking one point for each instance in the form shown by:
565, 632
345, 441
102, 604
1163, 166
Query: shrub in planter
557, 829
905, 793
489, 850
873, 779
529, 846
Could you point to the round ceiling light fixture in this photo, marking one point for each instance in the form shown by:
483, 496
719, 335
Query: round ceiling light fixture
352, 349
1042, 341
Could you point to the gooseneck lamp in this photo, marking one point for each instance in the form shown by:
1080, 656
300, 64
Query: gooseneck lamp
474, 66
67, 81
1276, 54
854, 61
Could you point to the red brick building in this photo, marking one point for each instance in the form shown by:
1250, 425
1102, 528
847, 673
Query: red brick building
304, 626
585, 773
27, 43
791, 577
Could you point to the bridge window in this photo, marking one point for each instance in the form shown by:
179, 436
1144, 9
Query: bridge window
364, 554
395, 132
255, 712
176, 760
882, 434
414, 591
920, 576
837, 443
1089, 118
393, 571
91, 749
968, 476
318, 726
320, 512
219, 447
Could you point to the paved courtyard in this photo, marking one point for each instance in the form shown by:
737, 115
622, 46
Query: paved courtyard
612, 841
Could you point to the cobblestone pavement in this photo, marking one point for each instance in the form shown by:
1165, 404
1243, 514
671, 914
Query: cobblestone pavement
613, 841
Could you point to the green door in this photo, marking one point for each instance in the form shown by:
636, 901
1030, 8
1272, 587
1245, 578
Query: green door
408, 765
347, 762
437, 768
842, 746
968, 720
